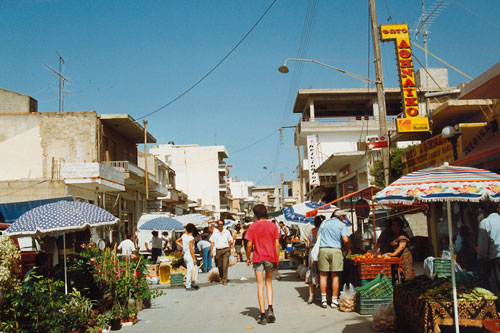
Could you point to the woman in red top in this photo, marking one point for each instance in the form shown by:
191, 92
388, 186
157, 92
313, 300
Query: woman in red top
263, 248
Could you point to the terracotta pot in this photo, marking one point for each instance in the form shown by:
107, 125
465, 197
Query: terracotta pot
139, 305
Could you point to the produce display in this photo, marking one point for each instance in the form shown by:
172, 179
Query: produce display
441, 290
368, 256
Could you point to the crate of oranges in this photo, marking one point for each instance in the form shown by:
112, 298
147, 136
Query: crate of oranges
369, 265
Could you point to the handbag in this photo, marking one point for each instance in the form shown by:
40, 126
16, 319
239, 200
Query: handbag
315, 249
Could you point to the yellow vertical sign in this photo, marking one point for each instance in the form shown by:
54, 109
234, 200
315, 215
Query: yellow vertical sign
399, 33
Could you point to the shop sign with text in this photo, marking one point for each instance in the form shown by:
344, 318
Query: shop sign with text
312, 155
430, 153
399, 33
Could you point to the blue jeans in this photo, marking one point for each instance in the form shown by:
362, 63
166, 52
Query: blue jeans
207, 260
189, 268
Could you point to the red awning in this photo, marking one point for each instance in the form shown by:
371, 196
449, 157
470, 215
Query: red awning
366, 193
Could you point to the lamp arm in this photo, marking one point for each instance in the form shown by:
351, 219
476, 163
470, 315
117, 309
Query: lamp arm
356, 76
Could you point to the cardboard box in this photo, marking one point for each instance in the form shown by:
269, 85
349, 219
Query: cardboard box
152, 270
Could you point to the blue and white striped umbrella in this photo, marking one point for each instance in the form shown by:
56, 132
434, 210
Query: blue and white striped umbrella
60, 217
162, 223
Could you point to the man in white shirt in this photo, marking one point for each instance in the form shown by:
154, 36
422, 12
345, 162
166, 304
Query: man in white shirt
127, 246
222, 241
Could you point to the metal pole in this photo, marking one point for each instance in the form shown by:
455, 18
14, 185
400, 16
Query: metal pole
146, 176
380, 87
301, 173
65, 268
452, 260
282, 192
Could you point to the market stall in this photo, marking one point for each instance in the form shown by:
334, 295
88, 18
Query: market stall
425, 305
444, 184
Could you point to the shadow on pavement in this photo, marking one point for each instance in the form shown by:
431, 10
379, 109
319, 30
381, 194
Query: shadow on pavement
287, 276
364, 326
251, 312
303, 292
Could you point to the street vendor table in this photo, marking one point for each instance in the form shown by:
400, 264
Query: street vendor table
419, 315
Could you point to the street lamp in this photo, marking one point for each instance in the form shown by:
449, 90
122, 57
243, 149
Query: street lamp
451, 134
284, 69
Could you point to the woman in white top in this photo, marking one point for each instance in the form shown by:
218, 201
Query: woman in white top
186, 242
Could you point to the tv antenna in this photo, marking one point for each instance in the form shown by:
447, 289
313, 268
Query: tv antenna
427, 18
62, 79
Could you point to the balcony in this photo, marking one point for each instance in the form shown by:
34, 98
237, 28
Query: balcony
224, 208
222, 187
93, 176
158, 190
222, 167
134, 175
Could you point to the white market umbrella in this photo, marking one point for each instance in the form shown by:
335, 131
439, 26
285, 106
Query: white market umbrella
59, 218
198, 220
444, 184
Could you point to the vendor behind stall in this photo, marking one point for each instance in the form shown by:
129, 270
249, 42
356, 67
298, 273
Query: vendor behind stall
399, 247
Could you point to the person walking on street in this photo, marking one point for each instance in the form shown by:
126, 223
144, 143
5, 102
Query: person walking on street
283, 235
156, 246
330, 258
186, 242
204, 248
313, 279
263, 249
488, 248
222, 241
238, 242
127, 246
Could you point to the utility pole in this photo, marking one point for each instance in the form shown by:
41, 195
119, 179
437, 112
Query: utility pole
301, 172
282, 191
146, 176
382, 114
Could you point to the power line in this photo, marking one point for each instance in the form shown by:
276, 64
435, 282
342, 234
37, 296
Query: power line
305, 39
213, 68
482, 17
254, 143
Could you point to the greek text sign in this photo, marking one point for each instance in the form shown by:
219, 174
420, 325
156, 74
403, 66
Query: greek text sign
312, 155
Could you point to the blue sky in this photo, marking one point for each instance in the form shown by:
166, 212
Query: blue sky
135, 56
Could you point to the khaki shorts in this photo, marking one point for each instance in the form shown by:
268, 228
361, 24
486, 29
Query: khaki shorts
330, 259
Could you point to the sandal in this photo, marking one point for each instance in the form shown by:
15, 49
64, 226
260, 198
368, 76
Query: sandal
324, 305
310, 301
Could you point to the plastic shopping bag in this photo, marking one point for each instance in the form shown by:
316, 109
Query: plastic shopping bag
384, 318
194, 274
347, 299
315, 249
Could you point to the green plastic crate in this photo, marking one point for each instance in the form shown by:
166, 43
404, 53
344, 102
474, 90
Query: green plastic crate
367, 306
176, 279
379, 287
442, 267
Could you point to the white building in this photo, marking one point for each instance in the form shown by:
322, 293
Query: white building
243, 199
200, 172
333, 130
270, 196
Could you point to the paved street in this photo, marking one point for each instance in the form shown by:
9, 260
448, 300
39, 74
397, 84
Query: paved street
234, 308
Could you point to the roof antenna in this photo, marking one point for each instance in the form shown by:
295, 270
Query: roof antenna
62, 79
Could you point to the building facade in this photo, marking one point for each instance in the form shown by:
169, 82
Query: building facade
92, 157
202, 173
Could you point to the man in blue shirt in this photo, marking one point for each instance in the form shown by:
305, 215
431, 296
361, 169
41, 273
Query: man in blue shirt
330, 259
488, 247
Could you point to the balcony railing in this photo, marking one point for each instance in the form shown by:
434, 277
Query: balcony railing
222, 187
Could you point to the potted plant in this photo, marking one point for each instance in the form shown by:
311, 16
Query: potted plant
115, 321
